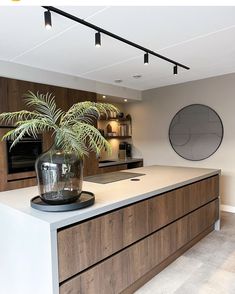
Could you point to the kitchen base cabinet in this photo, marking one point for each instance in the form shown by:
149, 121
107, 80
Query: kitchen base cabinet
123, 269
113, 252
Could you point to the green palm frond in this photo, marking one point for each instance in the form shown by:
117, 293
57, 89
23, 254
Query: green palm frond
87, 110
73, 130
30, 127
13, 117
44, 104
68, 141
89, 134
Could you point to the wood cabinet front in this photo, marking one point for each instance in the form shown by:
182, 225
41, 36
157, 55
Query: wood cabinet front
85, 244
123, 269
174, 204
113, 168
12, 92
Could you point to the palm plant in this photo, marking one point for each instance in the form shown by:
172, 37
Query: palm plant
73, 130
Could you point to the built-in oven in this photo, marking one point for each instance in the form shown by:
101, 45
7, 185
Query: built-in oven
22, 156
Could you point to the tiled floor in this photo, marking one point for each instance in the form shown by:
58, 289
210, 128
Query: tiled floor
206, 268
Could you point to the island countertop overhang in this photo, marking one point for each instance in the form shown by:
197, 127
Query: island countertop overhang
157, 180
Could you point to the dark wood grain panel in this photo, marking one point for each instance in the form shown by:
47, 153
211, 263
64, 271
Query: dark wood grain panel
11, 99
131, 223
118, 272
158, 268
85, 244
169, 206
113, 168
75, 96
3, 162
3, 95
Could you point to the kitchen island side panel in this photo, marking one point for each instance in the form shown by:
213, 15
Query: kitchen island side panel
28, 255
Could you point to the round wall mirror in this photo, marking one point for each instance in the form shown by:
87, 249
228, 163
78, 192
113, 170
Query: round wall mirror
196, 132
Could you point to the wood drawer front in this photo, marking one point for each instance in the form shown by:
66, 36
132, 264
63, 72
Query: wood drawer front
84, 244
172, 205
118, 272
113, 168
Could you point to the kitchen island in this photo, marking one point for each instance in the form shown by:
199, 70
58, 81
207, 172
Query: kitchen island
134, 230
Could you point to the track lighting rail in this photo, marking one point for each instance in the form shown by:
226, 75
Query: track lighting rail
114, 36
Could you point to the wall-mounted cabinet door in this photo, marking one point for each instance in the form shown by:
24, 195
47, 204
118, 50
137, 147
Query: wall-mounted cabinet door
16, 89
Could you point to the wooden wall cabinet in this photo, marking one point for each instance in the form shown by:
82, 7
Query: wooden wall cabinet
113, 252
11, 99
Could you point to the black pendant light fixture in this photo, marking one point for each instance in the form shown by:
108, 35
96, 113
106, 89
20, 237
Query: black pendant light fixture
146, 59
47, 19
99, 30
97, 39
175, 70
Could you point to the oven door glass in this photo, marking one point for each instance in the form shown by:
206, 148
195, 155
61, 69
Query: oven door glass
23, 155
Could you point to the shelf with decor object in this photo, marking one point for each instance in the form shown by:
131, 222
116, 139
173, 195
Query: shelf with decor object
117, 137
117, 129
118, 119
119, 126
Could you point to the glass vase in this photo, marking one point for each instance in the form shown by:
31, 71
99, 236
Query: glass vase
59, 175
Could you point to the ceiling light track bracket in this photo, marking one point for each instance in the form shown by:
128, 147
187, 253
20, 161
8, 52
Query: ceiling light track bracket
114, 36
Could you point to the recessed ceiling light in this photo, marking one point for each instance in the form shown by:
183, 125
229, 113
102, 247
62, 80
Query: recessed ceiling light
104, 96
118, 81
125, 100
137, 76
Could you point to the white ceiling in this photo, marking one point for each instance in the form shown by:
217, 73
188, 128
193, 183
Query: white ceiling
201, 37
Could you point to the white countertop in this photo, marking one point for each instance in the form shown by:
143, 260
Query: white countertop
157, 179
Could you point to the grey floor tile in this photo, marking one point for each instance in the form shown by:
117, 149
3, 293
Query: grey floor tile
209, 280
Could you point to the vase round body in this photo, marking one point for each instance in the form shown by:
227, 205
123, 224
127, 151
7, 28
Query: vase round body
59, 175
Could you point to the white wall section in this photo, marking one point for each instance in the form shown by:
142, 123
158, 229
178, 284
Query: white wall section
152, 117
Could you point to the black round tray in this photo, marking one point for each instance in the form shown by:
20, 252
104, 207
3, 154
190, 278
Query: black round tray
86, 199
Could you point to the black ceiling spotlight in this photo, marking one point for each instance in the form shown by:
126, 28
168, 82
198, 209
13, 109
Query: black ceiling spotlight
146, 59
114, 36
175, 70
97, 39
47, 18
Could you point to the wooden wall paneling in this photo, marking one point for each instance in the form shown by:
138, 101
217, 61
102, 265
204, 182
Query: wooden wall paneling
3, 162
90, 165
15, 91
60, 94
75, 96
3, 95
11, 99
123, 269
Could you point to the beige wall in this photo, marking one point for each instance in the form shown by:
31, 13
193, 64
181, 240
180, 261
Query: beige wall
152, 116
